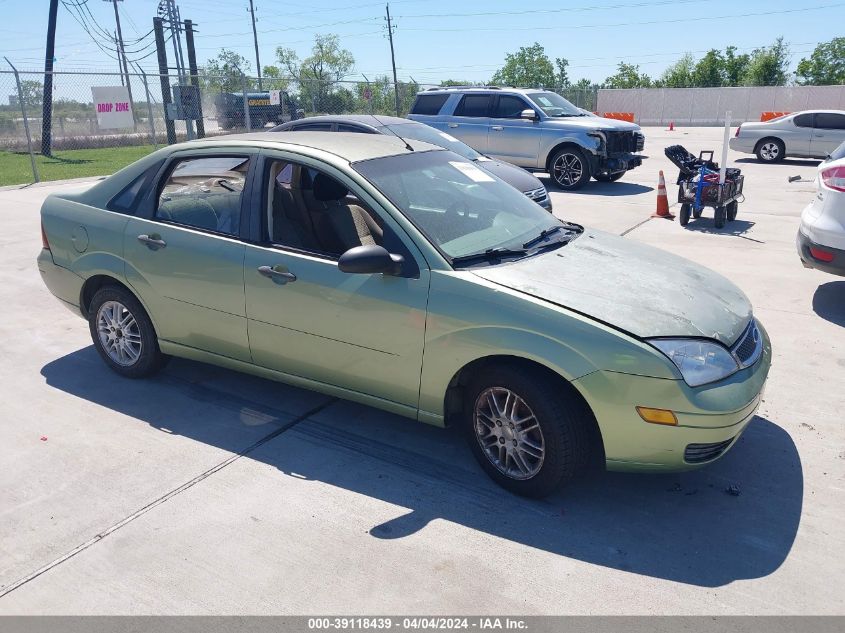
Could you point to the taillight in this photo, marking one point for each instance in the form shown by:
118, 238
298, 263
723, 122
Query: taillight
821, 255
834, 177
44, 242
738, 128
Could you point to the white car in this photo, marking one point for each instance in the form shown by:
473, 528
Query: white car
808, 134
821, 236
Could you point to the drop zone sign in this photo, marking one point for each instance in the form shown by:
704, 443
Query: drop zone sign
111, 103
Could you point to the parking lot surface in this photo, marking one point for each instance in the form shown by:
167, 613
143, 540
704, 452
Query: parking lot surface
203, 491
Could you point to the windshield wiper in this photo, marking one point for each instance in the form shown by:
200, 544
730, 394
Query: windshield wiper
490, 254
543, 235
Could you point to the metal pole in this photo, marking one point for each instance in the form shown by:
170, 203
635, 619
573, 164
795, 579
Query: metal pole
255, 39
25, 122
47, 95
392, 59
121, 59
158, 27
195, 80
149, 107
247, 120
725, 139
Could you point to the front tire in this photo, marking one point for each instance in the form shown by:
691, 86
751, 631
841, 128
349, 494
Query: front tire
720, 216
683, 216
123, 333
569, 168
770, 150
527, 433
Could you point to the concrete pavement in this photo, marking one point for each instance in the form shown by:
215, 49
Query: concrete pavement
203, 491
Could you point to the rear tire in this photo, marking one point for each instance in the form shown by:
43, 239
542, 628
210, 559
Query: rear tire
527, 433
720, 217
770, 150
731, 210
569, 168
609, 177
123, 333
683, 216
696, 213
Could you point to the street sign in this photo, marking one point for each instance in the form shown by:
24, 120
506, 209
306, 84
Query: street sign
275, 97
111, 103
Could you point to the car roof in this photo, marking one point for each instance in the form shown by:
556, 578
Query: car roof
490, 89
366, 119
349, 146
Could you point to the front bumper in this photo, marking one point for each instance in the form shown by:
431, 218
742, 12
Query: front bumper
710, 415
835, 267
615, 163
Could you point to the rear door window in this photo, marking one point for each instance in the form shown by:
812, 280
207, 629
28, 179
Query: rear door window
346, 127
314, 127
474, 106
429, 104
205, 193
804, 120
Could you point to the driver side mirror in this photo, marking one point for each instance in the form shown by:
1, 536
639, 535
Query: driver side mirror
370, 260
529, 114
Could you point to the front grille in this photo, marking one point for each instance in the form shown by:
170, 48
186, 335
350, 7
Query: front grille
700, 453
624, 142
537, 195
749, 347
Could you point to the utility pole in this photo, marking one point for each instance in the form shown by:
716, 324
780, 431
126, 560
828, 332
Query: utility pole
121, 59
47, 99
255, 39
158, 28
192, 67
392, 59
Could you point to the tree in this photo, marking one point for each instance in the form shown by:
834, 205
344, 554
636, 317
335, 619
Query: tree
530, 67
768, 66
628, 76
826, 65
457, 82
318, 74
679, 74
32, 92
275, 78
735, 66
224, 73
710, 71
562, 78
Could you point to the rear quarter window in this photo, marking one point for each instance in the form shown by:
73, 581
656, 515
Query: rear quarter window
429, 104
129, 198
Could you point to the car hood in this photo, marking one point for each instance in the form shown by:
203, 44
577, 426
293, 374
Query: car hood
511, 174
590, 123
636, 288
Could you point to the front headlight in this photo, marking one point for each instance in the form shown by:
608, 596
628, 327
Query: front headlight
699, 362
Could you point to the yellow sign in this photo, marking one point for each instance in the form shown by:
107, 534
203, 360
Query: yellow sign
258, 102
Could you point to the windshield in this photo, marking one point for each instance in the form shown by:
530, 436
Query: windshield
427, 134
554, 105
461, 208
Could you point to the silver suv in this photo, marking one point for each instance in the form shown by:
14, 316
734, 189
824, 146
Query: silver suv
535, 129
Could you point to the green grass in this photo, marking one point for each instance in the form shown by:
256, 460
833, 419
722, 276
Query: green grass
15, 168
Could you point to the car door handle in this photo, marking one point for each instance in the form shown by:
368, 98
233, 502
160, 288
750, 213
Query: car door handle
453, 125
498, 128
153, 243
278, 276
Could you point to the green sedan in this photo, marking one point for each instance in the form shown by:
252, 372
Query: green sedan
399, 275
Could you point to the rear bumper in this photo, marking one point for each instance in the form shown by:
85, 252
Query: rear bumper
65, 285
835, 267
740, 144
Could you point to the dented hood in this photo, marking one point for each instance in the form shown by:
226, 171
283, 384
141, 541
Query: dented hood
637, 288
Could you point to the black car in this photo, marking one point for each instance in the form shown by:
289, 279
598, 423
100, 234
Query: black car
370, 124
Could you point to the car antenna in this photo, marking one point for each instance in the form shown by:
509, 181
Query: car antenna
392, 131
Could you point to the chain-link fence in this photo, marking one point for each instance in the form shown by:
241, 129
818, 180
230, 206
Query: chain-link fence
98, 124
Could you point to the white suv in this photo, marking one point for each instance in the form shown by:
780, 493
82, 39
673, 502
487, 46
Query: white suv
821, 236
535, 129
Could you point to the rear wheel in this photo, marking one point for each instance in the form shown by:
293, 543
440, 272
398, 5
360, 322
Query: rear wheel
731, 210
123, 333
696, 213
720, 217
527, 433
569, 168
683, 216
770, 150
609, 177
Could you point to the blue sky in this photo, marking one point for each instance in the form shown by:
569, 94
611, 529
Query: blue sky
438, 39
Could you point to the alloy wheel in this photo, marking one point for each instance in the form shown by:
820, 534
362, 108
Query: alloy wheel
567, 170
119, 333
769, 151
509, 433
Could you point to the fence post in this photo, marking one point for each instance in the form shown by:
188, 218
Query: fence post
149, 108
25, 122
247, 119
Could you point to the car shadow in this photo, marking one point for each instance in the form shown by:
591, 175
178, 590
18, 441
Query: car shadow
735, 519
594, 188
797, 162
829, 302
737, 228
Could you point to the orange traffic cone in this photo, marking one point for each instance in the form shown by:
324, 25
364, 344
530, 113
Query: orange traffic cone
662, 200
